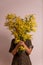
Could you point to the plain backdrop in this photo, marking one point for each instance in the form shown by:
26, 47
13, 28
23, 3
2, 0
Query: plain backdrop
21, 8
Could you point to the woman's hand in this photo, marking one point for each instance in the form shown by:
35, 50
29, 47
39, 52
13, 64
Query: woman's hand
21, 43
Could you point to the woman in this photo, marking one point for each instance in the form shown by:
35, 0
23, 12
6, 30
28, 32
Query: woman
21, 58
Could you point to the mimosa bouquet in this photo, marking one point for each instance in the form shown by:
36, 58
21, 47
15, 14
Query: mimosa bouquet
21, 28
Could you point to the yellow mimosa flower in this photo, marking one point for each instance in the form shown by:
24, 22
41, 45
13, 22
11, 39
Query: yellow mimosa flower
20, 27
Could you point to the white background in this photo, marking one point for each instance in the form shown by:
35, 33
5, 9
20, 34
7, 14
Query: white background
21, 8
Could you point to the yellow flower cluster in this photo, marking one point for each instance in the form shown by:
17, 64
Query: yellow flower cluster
20, 27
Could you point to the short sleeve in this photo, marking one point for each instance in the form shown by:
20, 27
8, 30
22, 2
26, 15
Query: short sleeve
29, 44
12, 46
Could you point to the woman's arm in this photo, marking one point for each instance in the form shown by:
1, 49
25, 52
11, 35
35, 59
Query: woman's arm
15, 50
28, 50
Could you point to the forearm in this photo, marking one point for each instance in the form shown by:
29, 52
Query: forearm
15, 50
28, 50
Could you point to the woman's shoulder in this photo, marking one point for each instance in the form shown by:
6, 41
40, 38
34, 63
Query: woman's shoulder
12, 41
29, 43
28, 40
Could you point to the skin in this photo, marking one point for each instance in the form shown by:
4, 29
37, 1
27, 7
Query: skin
28, 50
